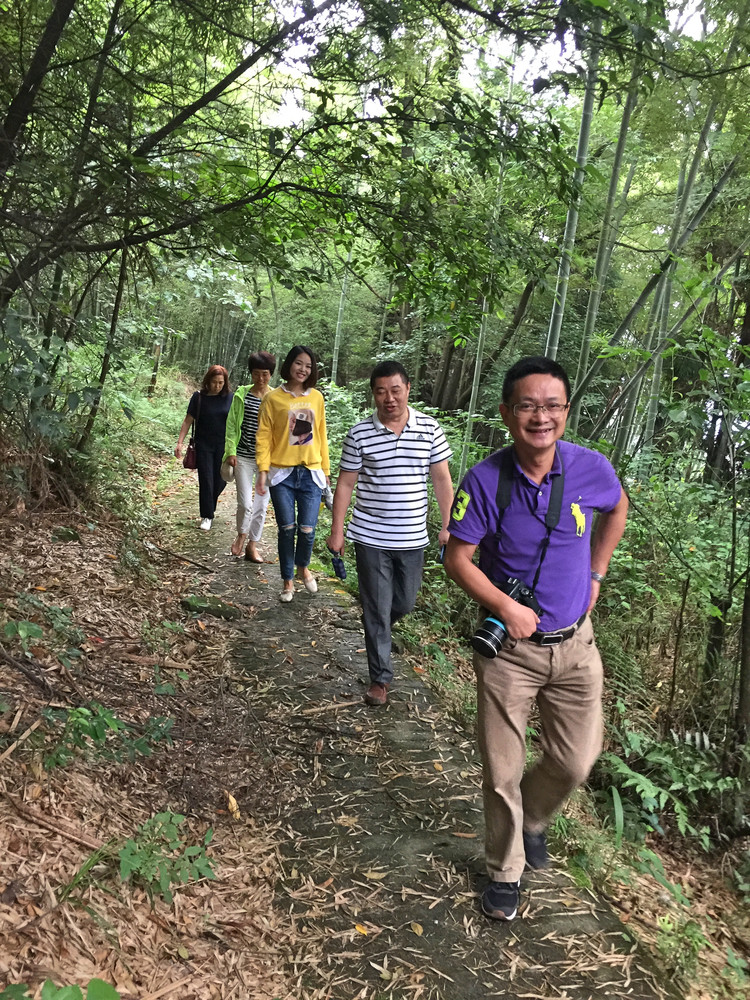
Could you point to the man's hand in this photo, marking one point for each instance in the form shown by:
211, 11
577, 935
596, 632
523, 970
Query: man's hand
336, 542
520, 622
443, 536
595, 589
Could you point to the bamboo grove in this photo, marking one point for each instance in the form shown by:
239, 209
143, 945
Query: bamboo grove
452, 183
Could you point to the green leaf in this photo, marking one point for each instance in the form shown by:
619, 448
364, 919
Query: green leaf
619, 816
99, 990
51, 992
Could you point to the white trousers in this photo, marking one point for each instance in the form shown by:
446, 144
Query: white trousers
251, 509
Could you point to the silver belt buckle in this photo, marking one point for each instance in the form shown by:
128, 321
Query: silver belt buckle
552, 639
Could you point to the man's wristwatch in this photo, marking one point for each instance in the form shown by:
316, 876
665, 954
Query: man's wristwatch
597, 576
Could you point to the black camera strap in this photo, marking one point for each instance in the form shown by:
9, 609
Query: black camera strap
552, 517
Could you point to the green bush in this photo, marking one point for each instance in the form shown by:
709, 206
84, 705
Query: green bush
97, 989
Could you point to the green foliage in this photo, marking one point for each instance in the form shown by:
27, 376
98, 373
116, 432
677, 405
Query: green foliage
736, 971
24, 632
344, 408
157, 857
680, 942
90, 731
654, 780
97, 989
83, 728
64, 637
158, 637
648, 862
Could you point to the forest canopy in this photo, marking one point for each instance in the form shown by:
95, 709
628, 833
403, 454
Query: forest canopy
455, 184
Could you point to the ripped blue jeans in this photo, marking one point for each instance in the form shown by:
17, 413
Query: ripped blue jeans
296, 535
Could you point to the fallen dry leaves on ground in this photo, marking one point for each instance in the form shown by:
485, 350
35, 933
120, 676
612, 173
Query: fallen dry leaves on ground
219, 938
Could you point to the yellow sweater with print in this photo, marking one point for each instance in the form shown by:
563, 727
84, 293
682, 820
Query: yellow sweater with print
292, 431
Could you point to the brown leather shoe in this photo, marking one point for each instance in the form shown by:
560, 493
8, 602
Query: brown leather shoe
377, 694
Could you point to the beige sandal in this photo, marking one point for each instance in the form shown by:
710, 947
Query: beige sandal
238, 545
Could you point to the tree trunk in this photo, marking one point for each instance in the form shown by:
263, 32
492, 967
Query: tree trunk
743, 705
656, 278
80, 159
22, 104
155, 370
279, 326
340, 319
633, 385
571, 222
108, 349
446, 357
474, 390
518, 317
607, 237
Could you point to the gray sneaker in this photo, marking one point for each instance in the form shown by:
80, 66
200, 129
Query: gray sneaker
500, 900
535, 849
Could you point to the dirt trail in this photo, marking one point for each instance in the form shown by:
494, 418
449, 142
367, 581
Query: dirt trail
383, 849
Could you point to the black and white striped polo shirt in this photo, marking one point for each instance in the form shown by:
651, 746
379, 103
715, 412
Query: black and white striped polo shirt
390, 509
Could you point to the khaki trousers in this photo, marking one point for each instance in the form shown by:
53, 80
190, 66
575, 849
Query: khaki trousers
566, 681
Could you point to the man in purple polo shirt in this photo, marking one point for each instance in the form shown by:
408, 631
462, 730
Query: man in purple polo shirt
536, 529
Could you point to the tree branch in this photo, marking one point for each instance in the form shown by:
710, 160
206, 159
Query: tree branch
21, 105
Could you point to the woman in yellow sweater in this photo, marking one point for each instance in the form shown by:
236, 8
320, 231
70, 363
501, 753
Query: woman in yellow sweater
291, 452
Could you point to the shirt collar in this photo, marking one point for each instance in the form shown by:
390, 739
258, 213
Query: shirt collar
305, 393
381, 426
556, 469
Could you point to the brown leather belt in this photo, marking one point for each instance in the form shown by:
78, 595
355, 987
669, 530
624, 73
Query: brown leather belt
555, 638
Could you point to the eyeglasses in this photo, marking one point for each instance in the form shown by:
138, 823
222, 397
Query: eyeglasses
526, 409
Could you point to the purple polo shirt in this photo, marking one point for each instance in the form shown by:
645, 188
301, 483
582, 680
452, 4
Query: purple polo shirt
564, 586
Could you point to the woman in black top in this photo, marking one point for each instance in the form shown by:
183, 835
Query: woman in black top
208, 410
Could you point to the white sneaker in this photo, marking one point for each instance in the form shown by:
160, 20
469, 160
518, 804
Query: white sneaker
206, 524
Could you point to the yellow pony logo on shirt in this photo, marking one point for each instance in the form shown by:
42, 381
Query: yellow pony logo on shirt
580, 517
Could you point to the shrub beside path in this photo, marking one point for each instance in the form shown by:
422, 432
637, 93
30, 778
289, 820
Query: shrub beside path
381, 821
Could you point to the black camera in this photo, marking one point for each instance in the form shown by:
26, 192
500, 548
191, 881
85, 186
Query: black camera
490, 633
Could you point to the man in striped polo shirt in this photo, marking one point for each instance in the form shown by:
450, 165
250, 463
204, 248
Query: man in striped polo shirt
389, 457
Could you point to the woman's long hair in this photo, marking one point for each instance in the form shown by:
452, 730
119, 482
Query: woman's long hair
212, 372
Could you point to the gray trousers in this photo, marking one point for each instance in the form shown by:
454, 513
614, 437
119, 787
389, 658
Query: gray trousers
389, 581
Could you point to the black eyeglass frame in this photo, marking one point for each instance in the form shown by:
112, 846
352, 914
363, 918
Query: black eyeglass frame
555, 409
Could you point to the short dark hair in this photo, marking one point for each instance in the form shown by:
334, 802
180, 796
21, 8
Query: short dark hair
538, 365
262, 360
212, 372
387, 368
312, 379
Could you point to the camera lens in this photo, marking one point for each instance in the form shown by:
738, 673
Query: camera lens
488, 638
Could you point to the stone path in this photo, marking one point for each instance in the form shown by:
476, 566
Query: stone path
383, 856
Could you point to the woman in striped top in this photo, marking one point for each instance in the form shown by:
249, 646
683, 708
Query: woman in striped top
239, 452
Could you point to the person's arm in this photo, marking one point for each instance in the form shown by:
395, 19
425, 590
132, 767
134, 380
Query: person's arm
186, 425
609, 529
264, 443
233, 429
518, 620
341, 500
442, 484
325, 461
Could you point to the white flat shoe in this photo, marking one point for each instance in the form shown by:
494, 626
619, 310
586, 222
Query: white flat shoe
311, 585
286, 595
